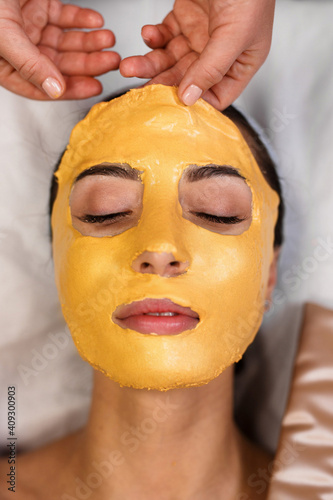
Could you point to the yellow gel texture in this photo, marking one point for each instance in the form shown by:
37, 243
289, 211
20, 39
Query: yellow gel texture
226, 281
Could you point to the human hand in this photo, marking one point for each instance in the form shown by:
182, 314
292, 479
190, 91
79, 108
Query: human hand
210, 48
41, 59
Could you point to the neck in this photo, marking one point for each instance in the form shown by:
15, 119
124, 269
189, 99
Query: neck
150, 444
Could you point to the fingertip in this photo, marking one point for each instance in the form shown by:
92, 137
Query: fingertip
106, 38
53, 88
190, 95
117, 59
102, 62
155, 36
112, 39
94, 90
147, 33
93, 19
126, 68
83, 88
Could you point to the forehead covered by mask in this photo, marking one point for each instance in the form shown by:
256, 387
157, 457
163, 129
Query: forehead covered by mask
195, 231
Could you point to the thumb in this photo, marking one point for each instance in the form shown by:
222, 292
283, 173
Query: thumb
33, 66
208, 69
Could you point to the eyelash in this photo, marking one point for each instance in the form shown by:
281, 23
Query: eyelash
218, 219
99, 219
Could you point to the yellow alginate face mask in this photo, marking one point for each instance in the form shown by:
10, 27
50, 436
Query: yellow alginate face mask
224, 276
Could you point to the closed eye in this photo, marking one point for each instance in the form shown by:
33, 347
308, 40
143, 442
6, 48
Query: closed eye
218, 219
99, 219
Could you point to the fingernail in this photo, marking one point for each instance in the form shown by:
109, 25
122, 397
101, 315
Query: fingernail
191, 95
52, 87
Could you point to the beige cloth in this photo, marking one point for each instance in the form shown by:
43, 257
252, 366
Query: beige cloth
303, 468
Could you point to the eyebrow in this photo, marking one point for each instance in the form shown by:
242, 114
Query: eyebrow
196, 173
122, 170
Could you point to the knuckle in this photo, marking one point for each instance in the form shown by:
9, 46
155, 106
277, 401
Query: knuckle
29, 68
212, 74
39, 19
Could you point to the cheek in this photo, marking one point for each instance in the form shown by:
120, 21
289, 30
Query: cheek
236, 276
227, 271
235, 298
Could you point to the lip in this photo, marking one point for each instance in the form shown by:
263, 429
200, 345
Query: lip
135, 316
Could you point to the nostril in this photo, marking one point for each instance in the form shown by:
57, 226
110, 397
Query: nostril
161, 263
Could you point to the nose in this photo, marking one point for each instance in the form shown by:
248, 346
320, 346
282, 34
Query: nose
161, 263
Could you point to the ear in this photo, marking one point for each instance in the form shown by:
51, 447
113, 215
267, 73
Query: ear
272, 276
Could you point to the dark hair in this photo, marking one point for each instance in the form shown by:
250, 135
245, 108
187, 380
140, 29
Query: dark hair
265, 163
259, 151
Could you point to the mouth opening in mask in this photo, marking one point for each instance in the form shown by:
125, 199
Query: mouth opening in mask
156, 317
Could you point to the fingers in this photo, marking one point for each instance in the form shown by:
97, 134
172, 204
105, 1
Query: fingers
233, 83
82, 64
56, 14
33, 43
157, 36
77, 87
72, 16
80, 41
168, 46
174, 74
26, 58
226, 73
81, 87
156, 61
236, 30
207, 70
146, 66
222, 95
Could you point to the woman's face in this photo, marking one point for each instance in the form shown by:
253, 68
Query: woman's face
163, 240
